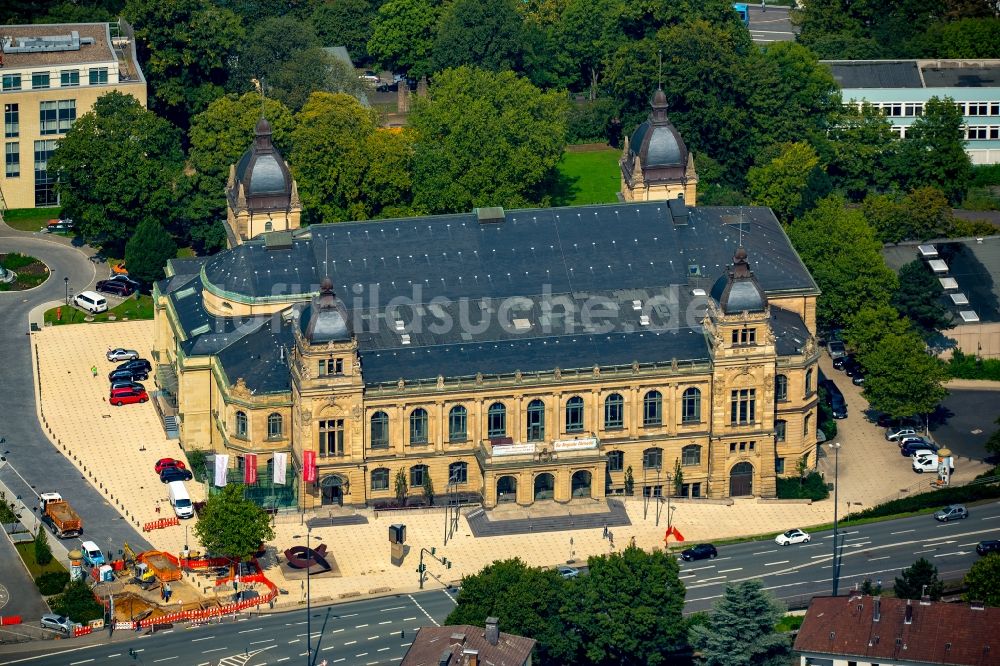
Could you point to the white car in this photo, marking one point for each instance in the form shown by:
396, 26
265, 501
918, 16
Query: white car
121, 354
930, 463
790, 537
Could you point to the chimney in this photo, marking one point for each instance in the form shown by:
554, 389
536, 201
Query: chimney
909, 613
471, 657
492, 630
876, 609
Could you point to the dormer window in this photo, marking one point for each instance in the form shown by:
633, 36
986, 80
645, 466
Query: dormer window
331, 366
744, 336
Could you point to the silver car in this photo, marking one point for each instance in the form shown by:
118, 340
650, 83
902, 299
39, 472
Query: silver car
121, 354
952, 512
893, 434
57, 622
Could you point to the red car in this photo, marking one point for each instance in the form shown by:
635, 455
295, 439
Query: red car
167, 463
125, 396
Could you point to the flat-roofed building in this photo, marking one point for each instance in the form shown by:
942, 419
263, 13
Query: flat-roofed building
49, 76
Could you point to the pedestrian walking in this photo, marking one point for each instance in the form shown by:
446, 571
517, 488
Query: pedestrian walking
763, 5
93, 370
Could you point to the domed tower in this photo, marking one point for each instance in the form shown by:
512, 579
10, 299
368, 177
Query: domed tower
261, 194
655, 163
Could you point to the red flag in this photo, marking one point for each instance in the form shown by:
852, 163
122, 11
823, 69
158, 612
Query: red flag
309, 466
666, 536
677, 534
250, 468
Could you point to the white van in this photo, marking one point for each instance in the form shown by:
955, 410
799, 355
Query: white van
180, 500
930, 462
91, 301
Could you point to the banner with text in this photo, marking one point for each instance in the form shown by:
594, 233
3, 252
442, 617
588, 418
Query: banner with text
221, 466
279, 461
309, 466
250, 468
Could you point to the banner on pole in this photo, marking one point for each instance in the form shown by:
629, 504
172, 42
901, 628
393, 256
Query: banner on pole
279, 462
250, 468
309, 466
221, 467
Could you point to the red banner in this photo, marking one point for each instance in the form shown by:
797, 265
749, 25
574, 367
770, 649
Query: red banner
250, 468
309, 466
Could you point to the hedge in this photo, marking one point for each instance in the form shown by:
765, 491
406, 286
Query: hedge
812, 486
52, 582
931, 499
967, 366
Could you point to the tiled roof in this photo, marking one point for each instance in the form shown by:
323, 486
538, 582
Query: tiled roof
935, 633
431, 644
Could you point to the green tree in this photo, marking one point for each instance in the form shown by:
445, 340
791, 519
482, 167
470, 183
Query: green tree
902, 378
920, 215
346, 23
966, 38
741, 629
628, 608
269, 45
841, 252
919, 298
314, 70
77, 603
483, 33
184, 46
43, 552
629, 481
232, 525
983, 581
147, 251
920, 578
347, 167
403, 35
790, 183
866, 328
862, 144
527, 601
933, 152
401, 487
485, 139
118, 166
586, 37
428, 488
678, 477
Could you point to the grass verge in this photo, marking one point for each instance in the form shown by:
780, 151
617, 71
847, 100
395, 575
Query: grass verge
140, 307
590, 177
27, 553
30, 271
30, 219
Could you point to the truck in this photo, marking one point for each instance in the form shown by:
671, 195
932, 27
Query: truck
60, 516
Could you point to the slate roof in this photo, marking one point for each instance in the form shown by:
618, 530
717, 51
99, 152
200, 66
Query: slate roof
937, 633
257, 356
432, 644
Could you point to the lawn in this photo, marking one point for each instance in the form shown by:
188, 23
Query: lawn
30, 219
27, 552
590, 177
30, 271
140, 307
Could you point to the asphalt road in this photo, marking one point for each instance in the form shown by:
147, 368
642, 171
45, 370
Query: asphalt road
34, 464
771, 25
368, 632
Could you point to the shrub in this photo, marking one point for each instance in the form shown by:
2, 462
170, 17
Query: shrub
967, 366
43, 552
52, 582
812, 486
78, 603
934, 498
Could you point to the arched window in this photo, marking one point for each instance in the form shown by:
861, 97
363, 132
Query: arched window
779, 430
616, 461
809, 381
691, 455
458, 420
652, 458
274, 426
614, 412
691, 406
380, 479
380, 430
652, 409
496, 418
458, 472
781, 388
418, 426
574, 414
241, 424
807, 434
418, 473
268, 226
536, 421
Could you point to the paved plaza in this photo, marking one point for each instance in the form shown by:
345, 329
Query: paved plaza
115, 448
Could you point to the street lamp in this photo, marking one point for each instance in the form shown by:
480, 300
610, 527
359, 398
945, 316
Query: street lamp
309, 556
66, 282
836, 485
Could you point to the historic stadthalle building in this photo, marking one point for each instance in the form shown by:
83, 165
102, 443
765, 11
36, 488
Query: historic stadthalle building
519, 355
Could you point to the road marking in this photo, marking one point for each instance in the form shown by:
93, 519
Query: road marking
116, 654
156, 661
436, 623
371, 638
337, 661
247, 631
337, 631
840, 534
349, 615
884, 557
283, 659
408, 619
929, 550
774, 564
268, 640
350, 643
989, 517
902, 532
710, 566
960, 552
705, 580
362, 654
297, 640
393, 608
165, 631
855, 539
728, 570
764, 552
85, 661
329, 647
386, 622
688, 576
212, 650
360, 626
206, 638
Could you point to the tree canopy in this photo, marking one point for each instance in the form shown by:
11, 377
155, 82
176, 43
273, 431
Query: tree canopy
919, 298
903, 379
118, 167
983, 580
488, 34
231, 525
485, 139
741, 629
919, 579
403, 35
148, 250
790, 183
933, 152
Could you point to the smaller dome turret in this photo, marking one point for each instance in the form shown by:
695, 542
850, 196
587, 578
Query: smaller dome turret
738, 290
326, 318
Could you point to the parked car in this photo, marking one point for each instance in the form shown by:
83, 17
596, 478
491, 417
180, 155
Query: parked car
59, 225
135, 386
791, 536
837, 350
852, 367
893, 433
92, 555
91, 301
122, 354
57, 622
835, 399
175, 474
858, 379
987, 547
569, 572
165, 463
952, 512
127, 376
702, 551
140, 364
127, 396
928, 463
908, 450
912, 439
370, 77
135, 284
115, 287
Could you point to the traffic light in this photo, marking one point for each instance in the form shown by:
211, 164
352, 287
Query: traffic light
433, 550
